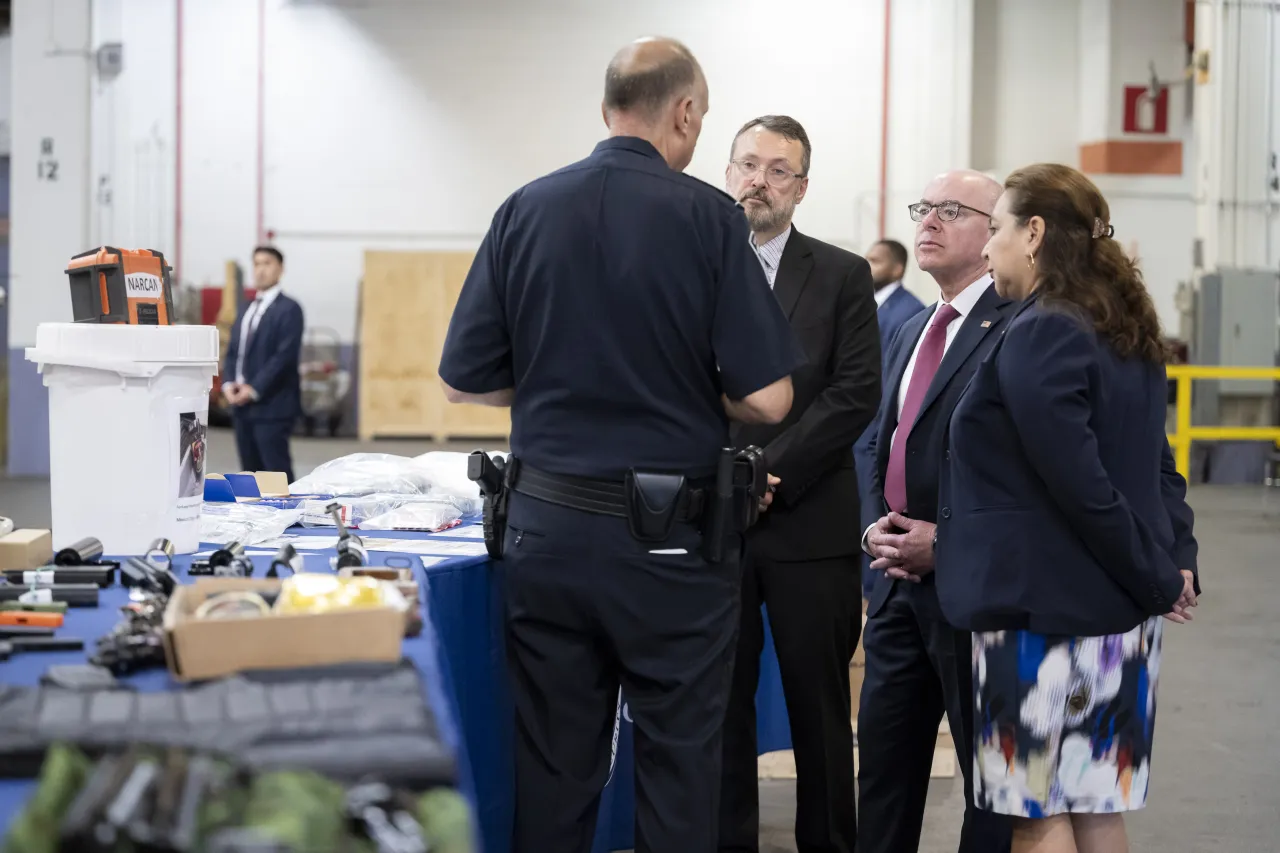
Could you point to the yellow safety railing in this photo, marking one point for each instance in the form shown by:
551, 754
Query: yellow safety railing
1184, 433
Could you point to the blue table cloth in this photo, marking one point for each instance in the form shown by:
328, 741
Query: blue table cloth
89, 624
461, 655
465, 602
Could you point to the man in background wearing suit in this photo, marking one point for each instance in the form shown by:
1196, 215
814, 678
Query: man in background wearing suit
262, 362
896, 305
918, 666
803, 558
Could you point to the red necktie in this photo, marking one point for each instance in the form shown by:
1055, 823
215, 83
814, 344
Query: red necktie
927, 361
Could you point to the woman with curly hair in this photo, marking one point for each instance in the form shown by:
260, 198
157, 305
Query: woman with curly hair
1064, 535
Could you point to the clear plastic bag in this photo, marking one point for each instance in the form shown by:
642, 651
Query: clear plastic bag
447, 471
430, 514
361, 474
246, 523
356, 511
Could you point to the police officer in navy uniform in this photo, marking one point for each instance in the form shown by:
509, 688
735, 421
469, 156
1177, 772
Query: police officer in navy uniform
617, 307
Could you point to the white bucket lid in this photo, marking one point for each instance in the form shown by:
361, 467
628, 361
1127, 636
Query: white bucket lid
130, 350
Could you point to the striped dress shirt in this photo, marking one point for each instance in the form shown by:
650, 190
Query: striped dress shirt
771, 253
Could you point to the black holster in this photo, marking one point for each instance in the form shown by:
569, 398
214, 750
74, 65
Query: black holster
491, 475
734, 505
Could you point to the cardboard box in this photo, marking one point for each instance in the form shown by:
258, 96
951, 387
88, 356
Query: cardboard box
26, 549
209, 648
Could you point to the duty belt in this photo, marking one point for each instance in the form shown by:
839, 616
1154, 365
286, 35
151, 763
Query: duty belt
603, 497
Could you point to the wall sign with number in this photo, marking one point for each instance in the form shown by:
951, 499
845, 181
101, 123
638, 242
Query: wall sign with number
47, 165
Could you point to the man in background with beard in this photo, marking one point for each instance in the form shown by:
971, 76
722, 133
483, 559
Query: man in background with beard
804, 555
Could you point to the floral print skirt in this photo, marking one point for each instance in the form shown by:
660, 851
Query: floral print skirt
1064, 724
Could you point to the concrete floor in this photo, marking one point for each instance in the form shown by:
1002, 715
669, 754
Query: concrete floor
1216, 782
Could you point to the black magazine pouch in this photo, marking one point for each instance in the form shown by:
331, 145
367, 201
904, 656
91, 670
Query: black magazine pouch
653, 503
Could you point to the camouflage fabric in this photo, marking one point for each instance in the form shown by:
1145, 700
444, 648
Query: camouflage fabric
35, 830
281, 812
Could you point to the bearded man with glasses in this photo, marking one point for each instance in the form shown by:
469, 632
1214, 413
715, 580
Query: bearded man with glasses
802, 559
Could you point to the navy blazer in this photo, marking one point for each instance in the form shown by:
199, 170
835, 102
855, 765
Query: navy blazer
271, 363
924, 446
900, 307
1059, 514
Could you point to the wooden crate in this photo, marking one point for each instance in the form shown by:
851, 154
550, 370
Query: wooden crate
406, 300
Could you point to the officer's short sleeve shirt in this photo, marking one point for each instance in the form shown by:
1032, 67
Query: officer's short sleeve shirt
620, 299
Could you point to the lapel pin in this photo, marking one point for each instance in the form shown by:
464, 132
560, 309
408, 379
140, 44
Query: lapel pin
986, 324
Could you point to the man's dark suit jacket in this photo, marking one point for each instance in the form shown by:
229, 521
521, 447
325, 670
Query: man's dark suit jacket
271, 363
1062, 510
827, 294
898, 308
978, 333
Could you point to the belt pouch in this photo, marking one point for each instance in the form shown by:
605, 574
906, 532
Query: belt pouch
653, 502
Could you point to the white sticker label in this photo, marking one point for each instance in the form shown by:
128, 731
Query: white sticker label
143, 285
37, 577
192, 455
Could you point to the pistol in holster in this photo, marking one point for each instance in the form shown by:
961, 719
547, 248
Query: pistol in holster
491, 476
733, 506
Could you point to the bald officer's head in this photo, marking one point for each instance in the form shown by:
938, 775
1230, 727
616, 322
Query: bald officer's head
654, 89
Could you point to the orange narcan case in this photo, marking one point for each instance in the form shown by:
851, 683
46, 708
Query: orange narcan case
129, 286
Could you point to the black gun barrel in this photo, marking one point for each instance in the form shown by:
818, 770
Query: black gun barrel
12, 632
79, 553
74, 594
39, 644
101, 576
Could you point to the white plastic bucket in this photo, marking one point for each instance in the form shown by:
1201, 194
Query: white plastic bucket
128, 421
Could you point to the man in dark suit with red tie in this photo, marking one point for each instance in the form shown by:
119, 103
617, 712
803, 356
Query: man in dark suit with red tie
918, 666
895, 306
261, 369
803, 561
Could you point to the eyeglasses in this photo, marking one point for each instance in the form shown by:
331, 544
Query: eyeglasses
947, 210
773, 176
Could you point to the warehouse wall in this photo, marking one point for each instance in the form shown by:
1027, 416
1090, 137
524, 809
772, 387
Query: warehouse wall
397, 125
1026, 86
1044, 71
392, 125
405, 125
49, 198
134, 145
6, 93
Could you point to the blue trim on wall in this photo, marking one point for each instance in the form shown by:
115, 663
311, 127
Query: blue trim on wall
28, 418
